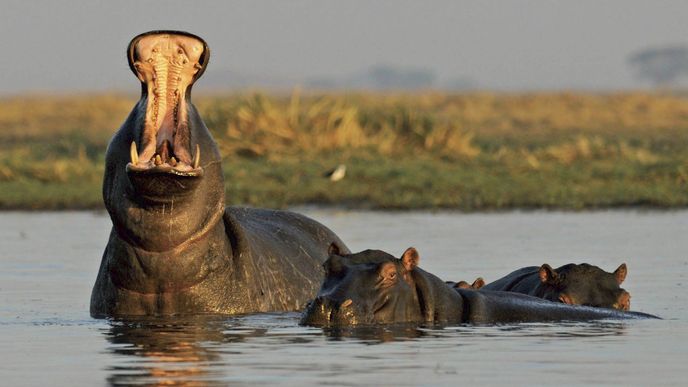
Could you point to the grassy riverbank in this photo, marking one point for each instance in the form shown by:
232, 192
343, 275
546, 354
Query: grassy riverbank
470, 152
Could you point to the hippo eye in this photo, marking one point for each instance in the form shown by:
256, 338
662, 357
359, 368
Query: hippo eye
387, 272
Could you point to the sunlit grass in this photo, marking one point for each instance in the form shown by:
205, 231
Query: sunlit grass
428, 150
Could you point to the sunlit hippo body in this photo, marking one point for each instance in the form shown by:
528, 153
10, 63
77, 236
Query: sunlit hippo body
373, 287
174, 248
574, 284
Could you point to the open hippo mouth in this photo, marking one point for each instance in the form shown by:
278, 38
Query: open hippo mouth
167, 63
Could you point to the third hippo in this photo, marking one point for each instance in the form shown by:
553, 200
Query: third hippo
574, 284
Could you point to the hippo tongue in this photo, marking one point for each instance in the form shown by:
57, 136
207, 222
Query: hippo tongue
167, 64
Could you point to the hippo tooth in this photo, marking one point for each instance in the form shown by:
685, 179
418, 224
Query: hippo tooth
347, 302
197, 157
134, 153
173, 161
158, 160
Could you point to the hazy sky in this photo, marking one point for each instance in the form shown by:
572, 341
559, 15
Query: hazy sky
80, 45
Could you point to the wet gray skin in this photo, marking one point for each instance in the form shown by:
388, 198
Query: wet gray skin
574, 284
174, 248
372, 287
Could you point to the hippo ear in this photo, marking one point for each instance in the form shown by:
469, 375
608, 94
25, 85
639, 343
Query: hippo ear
410, 259
462, 285
547, 274
620, 273
333, 249
333, 265
478, 283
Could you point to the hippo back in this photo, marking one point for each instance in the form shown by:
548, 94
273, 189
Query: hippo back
515, 278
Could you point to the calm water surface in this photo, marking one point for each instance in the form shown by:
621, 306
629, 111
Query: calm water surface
48, 263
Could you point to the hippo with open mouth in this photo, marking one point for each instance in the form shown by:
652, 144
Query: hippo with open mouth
373, 287
574, 284
174, 248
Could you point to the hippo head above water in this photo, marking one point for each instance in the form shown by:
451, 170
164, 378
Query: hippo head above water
584, 284
573, 284
370, 287
163, 157
167, 64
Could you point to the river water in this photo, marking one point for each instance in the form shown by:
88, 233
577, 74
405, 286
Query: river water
48, 263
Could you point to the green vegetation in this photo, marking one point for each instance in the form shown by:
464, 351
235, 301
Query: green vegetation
429, 150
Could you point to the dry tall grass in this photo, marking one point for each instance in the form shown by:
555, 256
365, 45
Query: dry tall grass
62, 139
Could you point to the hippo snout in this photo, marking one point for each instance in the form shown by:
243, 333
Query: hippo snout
317, 312
624, 301
326, 311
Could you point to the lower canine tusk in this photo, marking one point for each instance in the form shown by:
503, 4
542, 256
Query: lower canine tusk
197, 157
134, 154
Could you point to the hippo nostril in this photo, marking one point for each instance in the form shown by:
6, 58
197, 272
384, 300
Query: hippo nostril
625, 301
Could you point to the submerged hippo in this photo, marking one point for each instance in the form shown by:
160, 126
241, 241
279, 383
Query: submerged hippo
174, 247
373, 287
572, 284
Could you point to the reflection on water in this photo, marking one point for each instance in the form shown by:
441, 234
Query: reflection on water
163, 352
172, 351
374, 334
195, 350
544, 330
